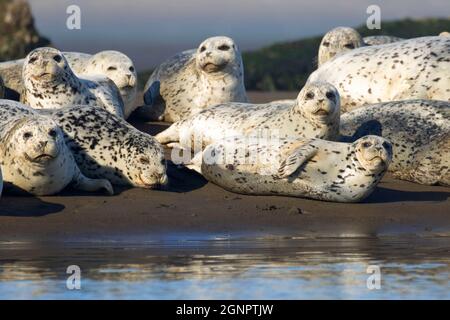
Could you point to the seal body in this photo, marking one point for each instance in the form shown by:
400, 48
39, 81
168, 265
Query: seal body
114, 65
314, 114
317, 169
51, 84
106, 146
411, 69
420, 134
34, 156
194, 80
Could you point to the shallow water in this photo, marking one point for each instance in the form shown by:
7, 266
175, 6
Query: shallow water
228, 269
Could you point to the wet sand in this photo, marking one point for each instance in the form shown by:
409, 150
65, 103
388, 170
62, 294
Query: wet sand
194, 208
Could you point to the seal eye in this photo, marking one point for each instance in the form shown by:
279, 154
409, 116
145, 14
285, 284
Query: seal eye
57, 58
326, 44
367, 144
144, 161
27, 135
310, 95
131, 69
32, 60
202, 49
330, 95
350, 46
112, 68
52, 133
224, 47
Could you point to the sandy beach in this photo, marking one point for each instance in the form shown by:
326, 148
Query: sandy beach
191, 207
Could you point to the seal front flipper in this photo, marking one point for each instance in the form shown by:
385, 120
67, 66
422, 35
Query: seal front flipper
296, 159
171, 134
81, 182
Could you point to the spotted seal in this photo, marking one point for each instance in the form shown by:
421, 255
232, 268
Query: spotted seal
106, 146
417, 68
34, 157
344, 39
51, 84
317, 169
420, 134
114, 65
111, 64
314, 114
194, 80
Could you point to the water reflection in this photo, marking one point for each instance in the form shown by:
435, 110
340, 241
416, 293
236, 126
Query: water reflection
290, 269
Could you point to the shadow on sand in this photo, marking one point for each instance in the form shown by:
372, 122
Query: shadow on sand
27, 207
182, 179
386, 195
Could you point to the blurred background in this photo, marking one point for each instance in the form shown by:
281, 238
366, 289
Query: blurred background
279, 38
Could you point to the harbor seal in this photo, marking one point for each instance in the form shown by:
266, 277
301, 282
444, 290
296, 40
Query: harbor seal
410, 69
194, 80
317, 169
314, 114
420, 134
444, 34
51, 84
34, 157
114, 65
344, 39
338, 41
111, 64
106, 146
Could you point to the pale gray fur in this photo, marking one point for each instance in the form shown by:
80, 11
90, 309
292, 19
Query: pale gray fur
314, 114
34, 156
420, 135
410, 69
315, 168
380, 39
194, 80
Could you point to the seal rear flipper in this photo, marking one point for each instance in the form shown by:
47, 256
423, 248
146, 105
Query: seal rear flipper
87, 184
296, 159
